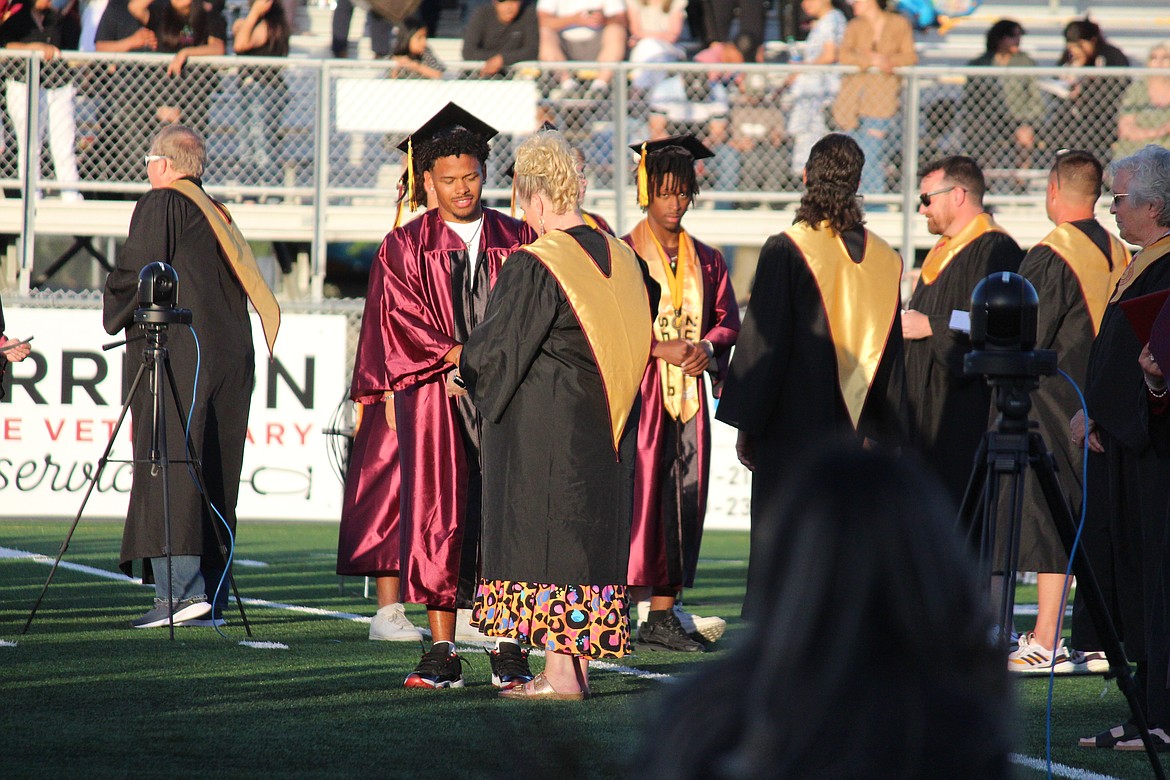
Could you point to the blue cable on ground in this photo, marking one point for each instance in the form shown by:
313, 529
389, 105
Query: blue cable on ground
199, 485
1067, 572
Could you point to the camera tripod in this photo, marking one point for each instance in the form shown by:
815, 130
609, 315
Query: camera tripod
1003, 457
156, 363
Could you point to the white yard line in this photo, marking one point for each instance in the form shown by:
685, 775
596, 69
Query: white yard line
1059, 770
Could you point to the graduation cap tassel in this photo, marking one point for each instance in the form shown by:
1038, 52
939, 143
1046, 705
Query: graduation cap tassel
398, 215
643, 180
513, 197
410, 174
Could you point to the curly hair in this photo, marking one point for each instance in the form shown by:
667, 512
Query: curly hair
1149, 170
833, 174
674, 163
453, 143
545, 164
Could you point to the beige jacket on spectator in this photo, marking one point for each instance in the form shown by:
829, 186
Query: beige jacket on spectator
873, 93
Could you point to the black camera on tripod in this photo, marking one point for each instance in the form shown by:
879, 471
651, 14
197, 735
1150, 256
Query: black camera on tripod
1003, 332
158, 297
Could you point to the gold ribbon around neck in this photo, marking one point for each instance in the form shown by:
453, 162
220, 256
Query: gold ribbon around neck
1142, 260
1096, 278
943, 252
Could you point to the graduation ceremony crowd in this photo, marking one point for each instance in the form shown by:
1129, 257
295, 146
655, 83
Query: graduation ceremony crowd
533, 454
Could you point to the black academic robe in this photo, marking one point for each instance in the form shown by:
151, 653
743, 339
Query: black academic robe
1129, 485
557, 499
168, 227
1063, 324
3, 360
783, 388
949, 409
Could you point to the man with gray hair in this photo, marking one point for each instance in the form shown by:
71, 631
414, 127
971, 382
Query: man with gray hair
177, 223
1125, 525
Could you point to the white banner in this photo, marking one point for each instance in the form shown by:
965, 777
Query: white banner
729, 497
63, 403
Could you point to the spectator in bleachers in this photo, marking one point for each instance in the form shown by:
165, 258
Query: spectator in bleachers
876, 40
412, 56
38, 27
502, 34
812, 92
720, 16
584, 30
377, 27
122, 140
1086, 118
263, 32
655, 27
1145, 109
91, 17
1002, 112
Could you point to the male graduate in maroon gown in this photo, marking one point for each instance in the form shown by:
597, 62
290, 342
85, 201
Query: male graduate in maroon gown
950, 409
820, 353
435, 275
695, 327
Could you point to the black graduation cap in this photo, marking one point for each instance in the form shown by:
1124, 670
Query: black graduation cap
685, 143
450, 117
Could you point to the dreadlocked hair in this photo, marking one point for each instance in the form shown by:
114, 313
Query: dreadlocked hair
675, 164
454, 143
833, 174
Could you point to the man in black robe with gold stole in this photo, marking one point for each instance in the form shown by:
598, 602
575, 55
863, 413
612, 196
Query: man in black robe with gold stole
177, 223
949, 410
1125, 533
820, 351
1074, 270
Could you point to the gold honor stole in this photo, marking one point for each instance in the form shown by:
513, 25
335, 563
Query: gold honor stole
613, 313
239, 256
860, 299
1084, 258
680, 313
942, 253
590, 221
1142, 260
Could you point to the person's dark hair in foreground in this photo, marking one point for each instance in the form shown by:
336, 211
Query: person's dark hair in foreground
840, 674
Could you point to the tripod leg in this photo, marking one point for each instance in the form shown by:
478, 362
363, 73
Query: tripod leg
1090, 591
157, 353
101, 466
197, 467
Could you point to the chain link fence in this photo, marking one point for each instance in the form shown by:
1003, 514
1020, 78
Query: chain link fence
313, 143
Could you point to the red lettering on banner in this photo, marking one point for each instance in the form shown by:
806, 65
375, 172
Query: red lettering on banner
85, 430
109, 427
12, 429
54, 434
304, 434
275, 433
250, 438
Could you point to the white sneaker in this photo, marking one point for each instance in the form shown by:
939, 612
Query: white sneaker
467, 632
710, 628
643, 612
1090, 662
1033, 658
390, 625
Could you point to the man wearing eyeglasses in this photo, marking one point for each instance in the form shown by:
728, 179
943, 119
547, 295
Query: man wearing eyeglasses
950, 410
1074, 270
178, 224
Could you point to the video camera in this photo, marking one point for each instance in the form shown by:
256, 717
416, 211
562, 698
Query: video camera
158, 296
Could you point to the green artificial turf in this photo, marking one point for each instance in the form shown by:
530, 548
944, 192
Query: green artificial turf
81, 694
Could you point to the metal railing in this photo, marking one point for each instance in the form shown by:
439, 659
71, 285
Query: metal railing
307, 148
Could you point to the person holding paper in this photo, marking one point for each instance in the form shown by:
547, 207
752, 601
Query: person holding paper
1129, 484
820, 351
1074, 270
11, 351
949, 410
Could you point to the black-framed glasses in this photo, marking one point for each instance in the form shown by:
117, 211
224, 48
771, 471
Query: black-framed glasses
924, 197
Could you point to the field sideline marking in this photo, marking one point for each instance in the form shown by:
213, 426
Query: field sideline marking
1059, 770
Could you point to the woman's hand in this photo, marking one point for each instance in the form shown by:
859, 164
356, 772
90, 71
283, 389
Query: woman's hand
177, 62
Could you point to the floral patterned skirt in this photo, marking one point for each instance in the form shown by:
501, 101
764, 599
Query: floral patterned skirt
586, 620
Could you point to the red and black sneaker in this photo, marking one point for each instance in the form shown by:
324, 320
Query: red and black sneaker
440, 667
509, 665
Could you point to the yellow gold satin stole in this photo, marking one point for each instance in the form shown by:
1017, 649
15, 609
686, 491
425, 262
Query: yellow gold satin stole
1086, 261
860, 299
942, 253
1142, 260
680, 313
613, 313
239, 256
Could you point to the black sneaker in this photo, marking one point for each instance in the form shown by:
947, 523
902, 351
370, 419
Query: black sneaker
509, 665
667, 634
440, 667
187, 609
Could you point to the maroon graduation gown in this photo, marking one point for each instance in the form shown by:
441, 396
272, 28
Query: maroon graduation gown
418, 324
665, 550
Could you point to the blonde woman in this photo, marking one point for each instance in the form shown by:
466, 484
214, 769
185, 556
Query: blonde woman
554, 369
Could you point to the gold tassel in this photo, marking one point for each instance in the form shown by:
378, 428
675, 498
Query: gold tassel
410, 174
513, 196
398, 215
643, 180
